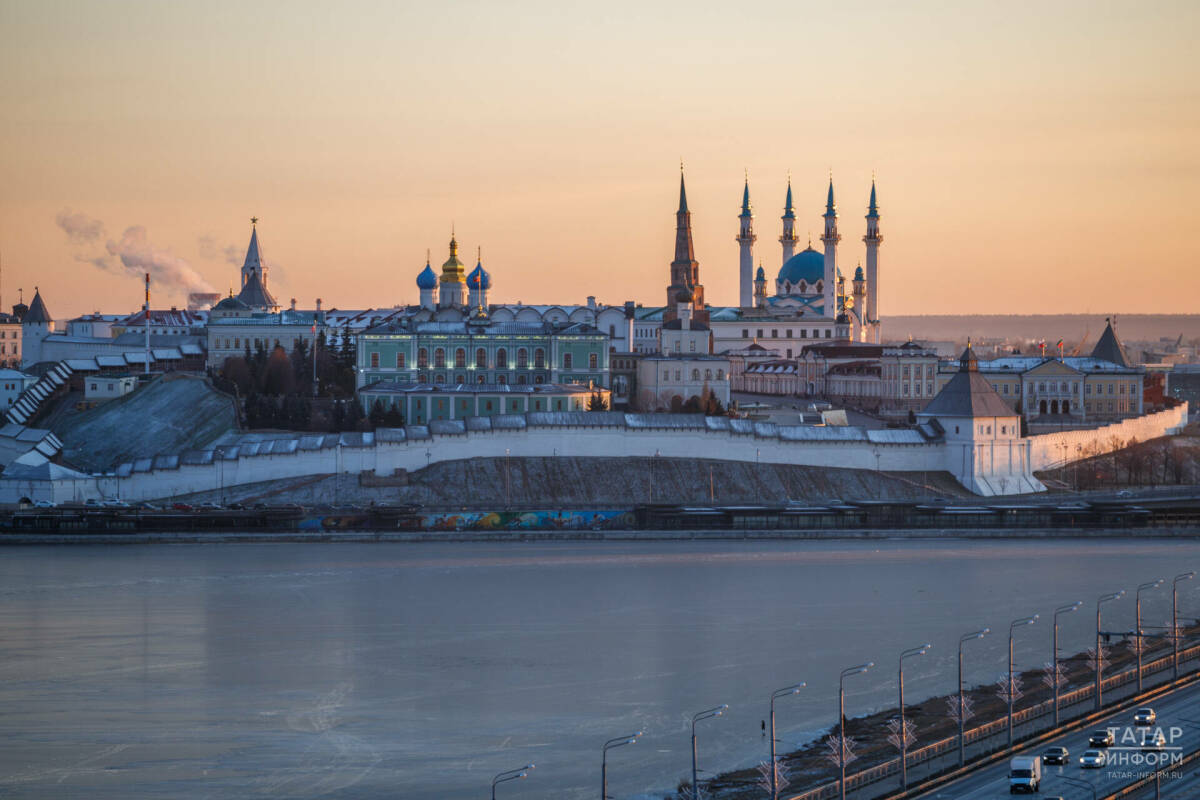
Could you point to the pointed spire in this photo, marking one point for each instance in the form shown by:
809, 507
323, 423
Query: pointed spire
253, 257
682, 192
789, 212
830, 206
873, 209
746, 197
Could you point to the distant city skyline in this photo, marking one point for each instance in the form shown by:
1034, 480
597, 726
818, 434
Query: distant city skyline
1030, 159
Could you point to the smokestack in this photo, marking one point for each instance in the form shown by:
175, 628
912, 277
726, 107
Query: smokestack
318, 304
293, 304
146, 370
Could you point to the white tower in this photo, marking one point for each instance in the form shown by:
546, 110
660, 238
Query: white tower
760, 288
36, 325
788, 240
873, 239
830, 239
858, 314
745, 240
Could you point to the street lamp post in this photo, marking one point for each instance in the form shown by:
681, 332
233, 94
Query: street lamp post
1011, 688
716, 711
961, 705
1187, 576
1099, 666
784, 692
510, 775
861, 668
916, 651
1054, 651
1137, 604
609, 745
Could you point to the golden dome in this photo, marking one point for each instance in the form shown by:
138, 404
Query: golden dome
454, 271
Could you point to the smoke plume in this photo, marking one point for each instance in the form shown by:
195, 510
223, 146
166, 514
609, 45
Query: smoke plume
134, 255
79, 227
212, 250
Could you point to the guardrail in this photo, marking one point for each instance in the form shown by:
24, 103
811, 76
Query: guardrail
879, 772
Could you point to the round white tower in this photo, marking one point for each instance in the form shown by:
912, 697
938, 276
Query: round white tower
830, 239
788, 239
873, 239
745, 240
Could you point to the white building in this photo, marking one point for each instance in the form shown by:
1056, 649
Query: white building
108, 387
36, 325
12, 383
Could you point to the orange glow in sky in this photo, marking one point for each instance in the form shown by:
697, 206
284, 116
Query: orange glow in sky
1031, 157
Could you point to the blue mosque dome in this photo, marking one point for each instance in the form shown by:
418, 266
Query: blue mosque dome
761, 275
480, 274
858, 274
807, 265
427, 279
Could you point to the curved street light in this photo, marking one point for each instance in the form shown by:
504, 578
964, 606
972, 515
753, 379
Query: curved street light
1099, 692
1187, 576
1011, 689
1079, 784
784, 692
966, 637
915, 651
1137, 602
609, 745
510, 775
861, 668
708, 713
1054, 651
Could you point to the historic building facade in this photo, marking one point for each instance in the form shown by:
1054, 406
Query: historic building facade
423, 403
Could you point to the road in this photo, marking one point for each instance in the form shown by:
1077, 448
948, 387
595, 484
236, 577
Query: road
1178, 718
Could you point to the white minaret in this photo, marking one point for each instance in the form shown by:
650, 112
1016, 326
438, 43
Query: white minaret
745, 240
788, 240
858, 315
830, 239
873, 239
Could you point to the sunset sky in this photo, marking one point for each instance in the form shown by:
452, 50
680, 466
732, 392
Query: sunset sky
1031, 157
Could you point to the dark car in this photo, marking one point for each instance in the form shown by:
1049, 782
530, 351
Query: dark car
1101, 738
1056, 755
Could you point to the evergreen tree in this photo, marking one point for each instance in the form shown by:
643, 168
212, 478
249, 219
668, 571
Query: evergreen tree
597, 403
377, 414
392, 418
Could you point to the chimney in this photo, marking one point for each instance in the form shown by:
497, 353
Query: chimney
591, 302
293, 304
318, 304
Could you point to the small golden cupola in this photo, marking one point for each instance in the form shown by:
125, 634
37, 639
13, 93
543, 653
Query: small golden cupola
454, 271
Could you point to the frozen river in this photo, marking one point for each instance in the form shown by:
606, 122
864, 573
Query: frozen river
419, 671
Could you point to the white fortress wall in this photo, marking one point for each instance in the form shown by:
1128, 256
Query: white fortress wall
1050, 450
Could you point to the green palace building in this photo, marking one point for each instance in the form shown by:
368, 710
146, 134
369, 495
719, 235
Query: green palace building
479, 351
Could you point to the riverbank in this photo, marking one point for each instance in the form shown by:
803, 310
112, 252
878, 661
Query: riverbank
468, 536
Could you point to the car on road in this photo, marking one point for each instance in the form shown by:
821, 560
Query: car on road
1144, 717
181, 507
1056, 755
1101, 738
1093, 759
1153, 741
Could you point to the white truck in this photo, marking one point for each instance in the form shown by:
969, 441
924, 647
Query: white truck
1025, 774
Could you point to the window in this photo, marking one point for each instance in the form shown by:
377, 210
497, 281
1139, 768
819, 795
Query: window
720, 374
1006, 388
691, 345
374, 359
501, 359
460, 379
567, 361
439, 358
522, 379
695, 374
774, 333
399, 360
501, 379
460, 358
707, 374
1122, 388
828, 334
593, 361
237, 342
539, 359
759, 334
422, 358
905, 370
439, 378
479, 377
538, 379
789, 355
789, 333
481, 359
803, 333
1110, 391
487, 405
745, 333
522, 358
678, 375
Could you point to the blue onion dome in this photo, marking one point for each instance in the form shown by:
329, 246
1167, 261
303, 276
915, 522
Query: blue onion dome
858, 274
427, 279
807, 265
479, 278
761, 275
684, 295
